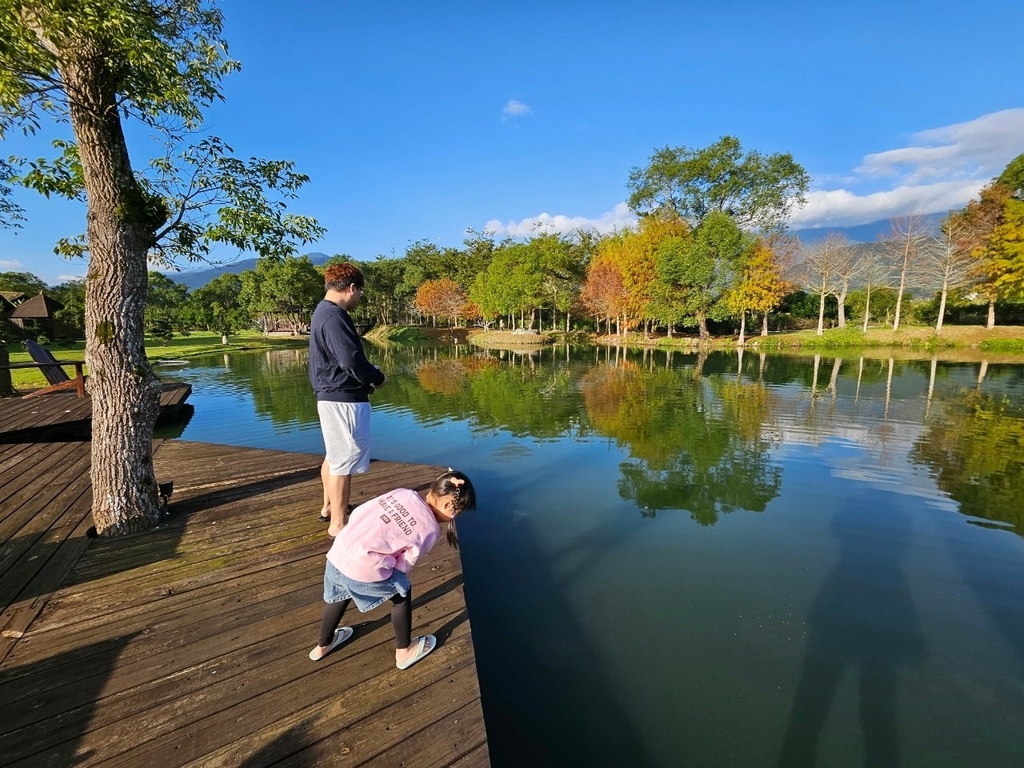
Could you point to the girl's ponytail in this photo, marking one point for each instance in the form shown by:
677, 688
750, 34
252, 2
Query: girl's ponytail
457, 485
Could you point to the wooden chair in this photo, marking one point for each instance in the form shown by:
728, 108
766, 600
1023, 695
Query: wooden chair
55, 375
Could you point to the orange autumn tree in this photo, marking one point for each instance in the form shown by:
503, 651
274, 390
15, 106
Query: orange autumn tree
623, 272
441, 298
603, 292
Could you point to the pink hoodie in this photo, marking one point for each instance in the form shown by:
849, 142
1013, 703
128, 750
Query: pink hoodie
388, 532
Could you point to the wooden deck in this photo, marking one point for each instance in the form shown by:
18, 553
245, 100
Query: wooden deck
64, 415
187, 645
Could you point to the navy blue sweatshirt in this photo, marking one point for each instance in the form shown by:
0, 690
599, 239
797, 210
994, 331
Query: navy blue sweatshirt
338, 368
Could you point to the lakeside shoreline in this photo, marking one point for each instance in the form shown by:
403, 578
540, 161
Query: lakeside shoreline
999, 340
961, 341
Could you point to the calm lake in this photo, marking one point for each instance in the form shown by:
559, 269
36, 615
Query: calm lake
710, 561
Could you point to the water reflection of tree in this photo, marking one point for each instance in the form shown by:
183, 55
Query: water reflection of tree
279, 385
973, 452
523, 394
696, 444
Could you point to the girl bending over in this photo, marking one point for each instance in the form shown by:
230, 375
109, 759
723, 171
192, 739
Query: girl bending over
370, 560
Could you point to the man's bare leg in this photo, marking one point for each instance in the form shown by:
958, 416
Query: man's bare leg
338, 489
325, 510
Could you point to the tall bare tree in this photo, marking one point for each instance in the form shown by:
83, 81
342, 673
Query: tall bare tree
822, 265
946, 261
907, 237
874, 272
849, 265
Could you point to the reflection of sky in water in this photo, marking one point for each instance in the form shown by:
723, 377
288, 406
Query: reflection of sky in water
609, 637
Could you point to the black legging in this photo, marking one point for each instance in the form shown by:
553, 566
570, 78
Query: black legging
401, 620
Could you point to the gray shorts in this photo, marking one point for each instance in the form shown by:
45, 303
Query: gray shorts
346, 431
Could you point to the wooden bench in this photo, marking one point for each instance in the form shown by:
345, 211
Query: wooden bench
52, 369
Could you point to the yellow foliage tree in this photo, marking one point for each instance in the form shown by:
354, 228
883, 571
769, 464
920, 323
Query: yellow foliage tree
624, 270
1005, 252
760, 287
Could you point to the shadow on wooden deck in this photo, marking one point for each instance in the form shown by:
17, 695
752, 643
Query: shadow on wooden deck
186, 645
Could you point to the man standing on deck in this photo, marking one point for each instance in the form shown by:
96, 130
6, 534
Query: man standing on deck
343, 379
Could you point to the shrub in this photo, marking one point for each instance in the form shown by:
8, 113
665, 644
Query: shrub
837, 338
1002, 345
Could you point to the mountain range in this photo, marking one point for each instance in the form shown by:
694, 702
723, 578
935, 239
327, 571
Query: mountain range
200, 277
861, 233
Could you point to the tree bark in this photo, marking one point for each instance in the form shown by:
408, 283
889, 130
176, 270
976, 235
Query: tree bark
6, 385
942, 308
821, 313
120, 230
991, 314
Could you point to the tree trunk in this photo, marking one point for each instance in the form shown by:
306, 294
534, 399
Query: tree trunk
841, 301
991, 314
764, 325
121, 223
899, 297
6, 387
942, 308
743, 328
821, 313
702, 324
867, 308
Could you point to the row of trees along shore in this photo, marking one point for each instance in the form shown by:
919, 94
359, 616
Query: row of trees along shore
693, 257
705, 249
710, 244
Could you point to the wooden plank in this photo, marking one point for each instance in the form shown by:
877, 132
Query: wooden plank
479, 757
204, 723
15, 620
188, 644
206, 711
24, 419
19, 483
367, 725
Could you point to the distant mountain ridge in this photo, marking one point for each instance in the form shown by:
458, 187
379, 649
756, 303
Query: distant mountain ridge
864, 233
200, 277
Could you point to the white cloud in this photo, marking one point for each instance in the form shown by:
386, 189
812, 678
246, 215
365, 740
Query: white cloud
9, 265
840, 207
545, 223
69, 278
515, 109
941, 168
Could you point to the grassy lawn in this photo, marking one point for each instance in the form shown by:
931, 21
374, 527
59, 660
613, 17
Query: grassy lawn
178, 348
1008, 338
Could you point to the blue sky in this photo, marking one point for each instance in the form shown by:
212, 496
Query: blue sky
420, 120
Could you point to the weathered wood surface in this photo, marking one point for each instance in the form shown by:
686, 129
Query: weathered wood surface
57, 415
187, 645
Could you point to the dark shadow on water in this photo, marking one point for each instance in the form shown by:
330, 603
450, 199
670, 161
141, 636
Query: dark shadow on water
862, 622
536, 715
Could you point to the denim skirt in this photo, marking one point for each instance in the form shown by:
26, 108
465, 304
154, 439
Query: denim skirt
367, 595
